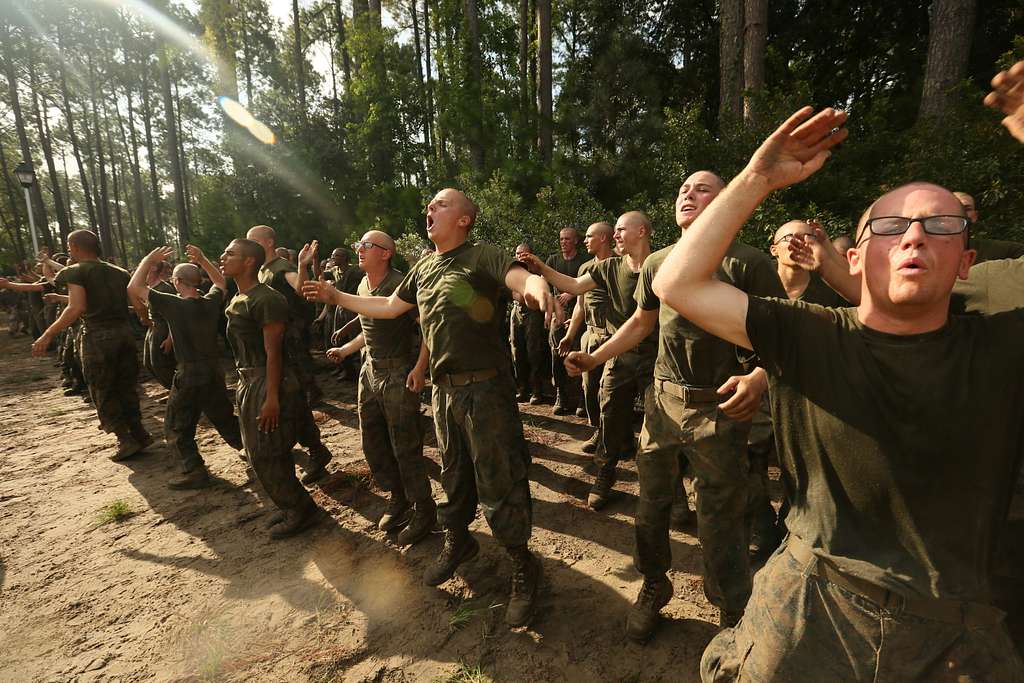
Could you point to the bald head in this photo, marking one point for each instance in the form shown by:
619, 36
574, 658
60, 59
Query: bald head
465, 205
637, 219
262, 234
86, 241
709, 178
380, 238
792, 228
909, 200
251, 249
599, 229
189, 274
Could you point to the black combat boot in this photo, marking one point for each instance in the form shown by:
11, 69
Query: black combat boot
397, 512
421, 523
644, 615
526, 576
459, 546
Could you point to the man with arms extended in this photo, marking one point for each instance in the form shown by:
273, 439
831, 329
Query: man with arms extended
628, 373
598, 241
568, 390
197, 387
876, 411
97, 293
271, 404
390, 381
281, 274
479, 433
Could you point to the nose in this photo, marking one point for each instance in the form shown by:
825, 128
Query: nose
914, 236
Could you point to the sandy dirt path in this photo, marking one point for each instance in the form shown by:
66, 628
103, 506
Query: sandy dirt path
189, 588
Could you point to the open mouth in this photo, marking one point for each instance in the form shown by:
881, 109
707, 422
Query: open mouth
911, 267
430, 222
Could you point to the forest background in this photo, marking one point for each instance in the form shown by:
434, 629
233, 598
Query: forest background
350, 114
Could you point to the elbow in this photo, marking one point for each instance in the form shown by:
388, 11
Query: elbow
659, 287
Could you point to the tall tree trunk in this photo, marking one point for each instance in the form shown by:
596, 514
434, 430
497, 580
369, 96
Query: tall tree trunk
430, 79
19, 123
300, 69
419, 72
51, 168
247, 52
69, 116
525, 110
126, 157
755, 36
14, 197
346, 64
67, 182
154, 183
950, 30
140, 205
171, 142
106, 237
181, 152
544, 81
474, 84
730, 56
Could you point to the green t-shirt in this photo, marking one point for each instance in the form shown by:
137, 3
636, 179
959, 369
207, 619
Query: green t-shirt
193, 324
594, 301
248, 313
462, 312
992, 287
106, 290
900, 451
614, 276
570, 267
273, 274
993, 250
818, 292
686, 353
388, 338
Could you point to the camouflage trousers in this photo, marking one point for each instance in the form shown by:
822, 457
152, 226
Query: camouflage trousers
299, 360
569, 390
590, 340
67, 348
198, 389
716, 447
800, 627
483, 458
270, 453
530, 352
760, 447
389, 426
624, 377
111, 368
160, 364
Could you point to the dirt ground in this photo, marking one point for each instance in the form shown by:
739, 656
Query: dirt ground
189, 588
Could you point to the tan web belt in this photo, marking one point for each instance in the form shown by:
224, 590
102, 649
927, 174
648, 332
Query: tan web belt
687, 393
969, 614
464, 379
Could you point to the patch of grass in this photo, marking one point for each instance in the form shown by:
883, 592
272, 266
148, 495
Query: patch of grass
465, 613
117, 511
464, 673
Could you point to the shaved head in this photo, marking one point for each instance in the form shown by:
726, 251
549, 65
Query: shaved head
250, 249
262, 233
86, 240
382, 238
636, 218
600, 228
189, 273
792, 228
892, 203
466, 205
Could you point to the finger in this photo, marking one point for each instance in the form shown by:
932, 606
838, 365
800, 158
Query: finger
820, 124
730, 385
731, 405
794, 121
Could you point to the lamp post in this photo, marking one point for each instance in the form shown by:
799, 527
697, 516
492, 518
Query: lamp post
25, 172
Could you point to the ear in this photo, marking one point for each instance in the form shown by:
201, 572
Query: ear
773, 250
853, 258
966, 261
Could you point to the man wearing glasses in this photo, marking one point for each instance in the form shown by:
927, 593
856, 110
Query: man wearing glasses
885, 413
458, 291
390, 381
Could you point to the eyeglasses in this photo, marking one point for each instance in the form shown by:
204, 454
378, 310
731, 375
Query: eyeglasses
897, 225
809, 237
356, 246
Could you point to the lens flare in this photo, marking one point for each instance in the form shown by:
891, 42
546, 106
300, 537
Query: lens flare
240, 115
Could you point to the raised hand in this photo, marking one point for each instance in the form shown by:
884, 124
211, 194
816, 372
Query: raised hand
159, 254
194, 254
798, 148
318, 290
307, 254
532, 263
1008, 96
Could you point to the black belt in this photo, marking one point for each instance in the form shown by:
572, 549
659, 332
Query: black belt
970, 614
390, 363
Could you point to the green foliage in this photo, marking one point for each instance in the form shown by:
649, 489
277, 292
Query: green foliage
115, 512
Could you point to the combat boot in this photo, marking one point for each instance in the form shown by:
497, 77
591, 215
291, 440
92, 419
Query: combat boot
526, 576
198, 478
140, 434
294, 523
319, 456
421, 523
601, 491
459, 546
644, 615
591, 444
127, 446
396, 514
559, 408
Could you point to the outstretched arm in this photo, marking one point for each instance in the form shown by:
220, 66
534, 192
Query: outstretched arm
1008, 96
685, 281
20, 286
820, 256
564, 283
535, 292
370, 306
75, 308
631, 333
307, 256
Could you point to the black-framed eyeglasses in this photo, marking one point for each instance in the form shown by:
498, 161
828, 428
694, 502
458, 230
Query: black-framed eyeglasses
897, 225
808, 236
366, 244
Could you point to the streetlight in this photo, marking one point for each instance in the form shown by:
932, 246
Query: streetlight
25, 172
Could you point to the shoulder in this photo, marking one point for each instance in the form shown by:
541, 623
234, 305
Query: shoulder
654, 261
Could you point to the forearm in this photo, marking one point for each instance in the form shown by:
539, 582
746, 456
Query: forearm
301, 275
835, 271
25, 286
353, 345
576, 322
67, 318
424, 356
371, 306
274, 368
561, 281
213, 272
137, 288
631, 333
